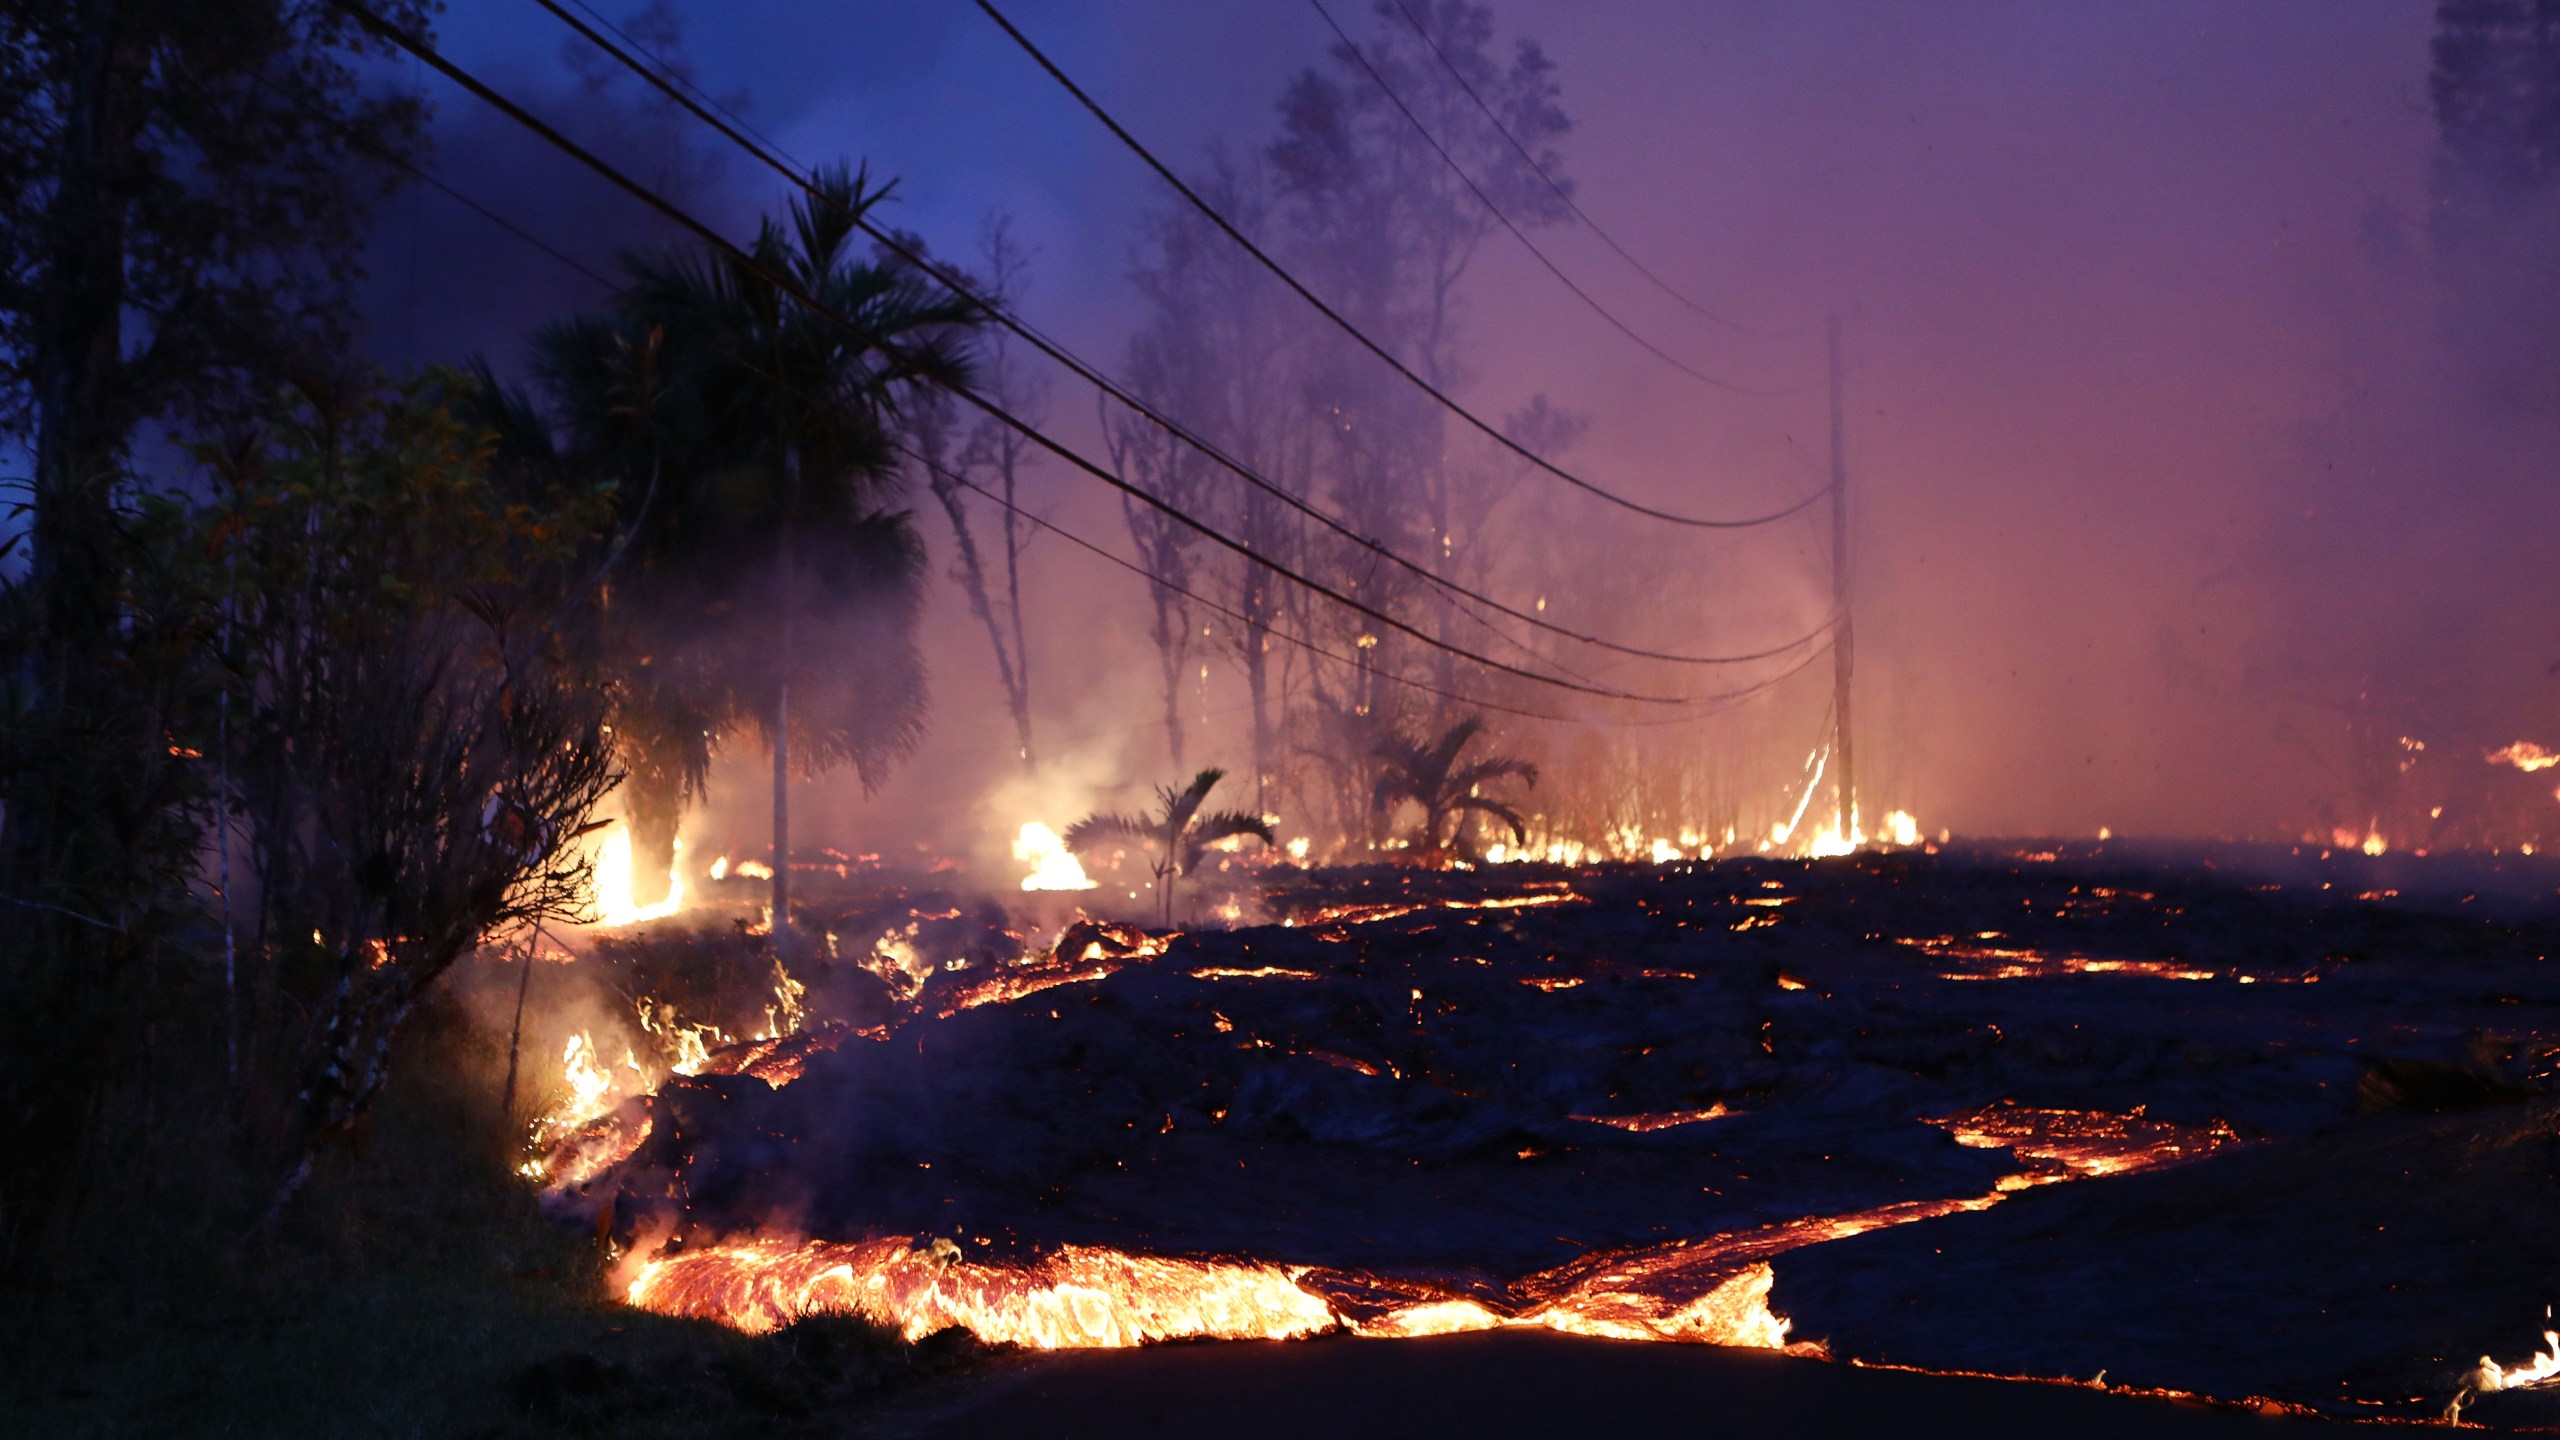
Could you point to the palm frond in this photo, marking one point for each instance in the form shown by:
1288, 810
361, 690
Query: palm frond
1208, 830
1180, 807
1500, 767
1499, 811
1398, 785
1452, 741
1094, 831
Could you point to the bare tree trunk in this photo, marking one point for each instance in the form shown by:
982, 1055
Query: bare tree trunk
1011, 454
515, 1041
788, 569
1171, 629
973, 580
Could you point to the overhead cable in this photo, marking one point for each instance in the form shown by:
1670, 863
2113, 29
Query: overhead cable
784, 286
1358, 336
1565, 192
1361, 59
960, 284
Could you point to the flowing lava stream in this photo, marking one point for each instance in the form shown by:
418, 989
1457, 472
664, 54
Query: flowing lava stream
1710, 1291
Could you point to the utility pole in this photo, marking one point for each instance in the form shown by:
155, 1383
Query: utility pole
1843, 648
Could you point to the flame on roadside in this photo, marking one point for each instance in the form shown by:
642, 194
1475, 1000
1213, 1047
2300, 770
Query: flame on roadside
2489, 1377
614, 881
1053, 866
581, 1135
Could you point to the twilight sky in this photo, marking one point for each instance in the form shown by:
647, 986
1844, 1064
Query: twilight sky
2119, 289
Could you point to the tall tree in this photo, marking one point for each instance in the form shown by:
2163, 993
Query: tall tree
1150, 459
1222, 349
182, 190
784, 524
1381, 225
993, 457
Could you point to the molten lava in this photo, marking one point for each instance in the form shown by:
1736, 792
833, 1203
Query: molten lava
1077, 1298
2081, 1144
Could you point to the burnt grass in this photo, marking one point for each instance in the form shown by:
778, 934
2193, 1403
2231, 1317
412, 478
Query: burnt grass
2389, 1061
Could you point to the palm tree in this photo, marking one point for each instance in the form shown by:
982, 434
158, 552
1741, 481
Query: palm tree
770, 588
1178, 834
1430, 776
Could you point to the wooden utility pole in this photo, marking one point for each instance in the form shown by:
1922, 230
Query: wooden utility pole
1843, 648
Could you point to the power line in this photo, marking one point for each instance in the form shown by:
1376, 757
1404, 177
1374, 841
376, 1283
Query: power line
784, 286
1216, 607
1566, 194
570, 262
1228, 227
960, 285
1726, 699
1384, 88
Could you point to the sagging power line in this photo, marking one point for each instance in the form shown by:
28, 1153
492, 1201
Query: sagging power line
1494, 208
785, 287
1360, 337
1564, 192
687, 97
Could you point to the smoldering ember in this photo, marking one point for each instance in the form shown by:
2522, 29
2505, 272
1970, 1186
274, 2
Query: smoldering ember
792, 720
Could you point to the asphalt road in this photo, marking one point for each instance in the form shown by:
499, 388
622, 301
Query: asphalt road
1496, 1385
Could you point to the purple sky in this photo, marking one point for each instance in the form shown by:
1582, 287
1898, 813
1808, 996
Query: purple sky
2115, 312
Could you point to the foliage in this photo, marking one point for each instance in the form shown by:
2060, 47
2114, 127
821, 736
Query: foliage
1178, 833
1428, 774
352, 745
182, 190
417, 752
748, 442
192, 178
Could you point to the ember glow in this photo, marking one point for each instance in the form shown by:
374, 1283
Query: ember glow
1660, 1120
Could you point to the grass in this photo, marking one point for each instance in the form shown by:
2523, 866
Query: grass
415, 1291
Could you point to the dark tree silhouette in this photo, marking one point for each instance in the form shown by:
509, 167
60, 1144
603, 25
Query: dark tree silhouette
769, 587
1430, 776
1178, 834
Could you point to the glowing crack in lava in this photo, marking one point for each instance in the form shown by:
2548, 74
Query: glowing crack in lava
2083, 1144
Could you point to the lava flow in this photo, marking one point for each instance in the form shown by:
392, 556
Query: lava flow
1076, 1298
